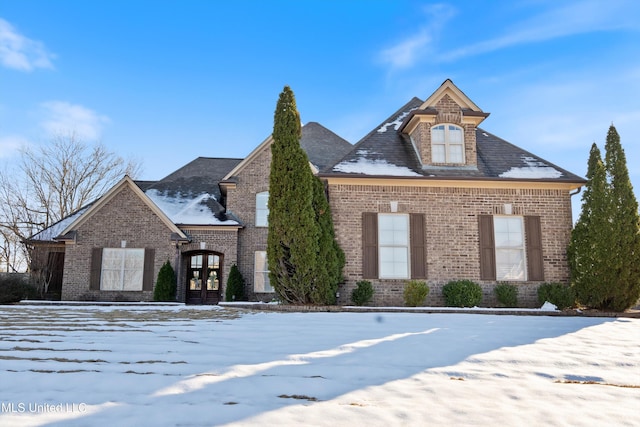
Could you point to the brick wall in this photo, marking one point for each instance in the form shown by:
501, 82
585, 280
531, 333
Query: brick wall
124, 217
451, 233
252, 179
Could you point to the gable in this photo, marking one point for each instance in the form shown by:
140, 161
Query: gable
448, 89
322, 146
133, 191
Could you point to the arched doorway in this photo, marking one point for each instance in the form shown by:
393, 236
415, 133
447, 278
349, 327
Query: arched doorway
204, 275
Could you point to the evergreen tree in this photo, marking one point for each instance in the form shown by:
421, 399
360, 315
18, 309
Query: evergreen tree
292, 243
624, 238
165, 289
604, 252
330, 256
586, 254
235, 285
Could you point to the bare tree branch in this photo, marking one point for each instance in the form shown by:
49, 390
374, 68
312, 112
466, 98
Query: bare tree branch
50, 182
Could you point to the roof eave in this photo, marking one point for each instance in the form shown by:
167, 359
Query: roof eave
573, 183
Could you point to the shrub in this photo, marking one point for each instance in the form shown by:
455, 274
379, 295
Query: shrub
165, 289
15, 289
562, 296
415, 292
363, 293
507, 295
462, 293
235, 285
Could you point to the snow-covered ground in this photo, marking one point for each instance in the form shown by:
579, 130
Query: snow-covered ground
202, 366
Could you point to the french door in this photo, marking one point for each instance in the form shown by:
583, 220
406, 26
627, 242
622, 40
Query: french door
203, 278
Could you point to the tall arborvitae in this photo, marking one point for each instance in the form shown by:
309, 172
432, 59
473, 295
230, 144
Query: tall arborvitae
330, 255
604, 252
624, 238
587, 257
292, 243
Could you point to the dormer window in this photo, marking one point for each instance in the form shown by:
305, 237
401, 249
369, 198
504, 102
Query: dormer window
447, 144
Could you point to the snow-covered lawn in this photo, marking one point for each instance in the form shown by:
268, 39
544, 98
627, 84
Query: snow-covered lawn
190, 366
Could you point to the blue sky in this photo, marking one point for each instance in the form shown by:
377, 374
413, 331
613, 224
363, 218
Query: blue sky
168, 81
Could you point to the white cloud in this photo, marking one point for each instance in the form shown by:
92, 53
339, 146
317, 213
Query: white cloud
574, 18
63, 117
409, 51
10, 144
21, 53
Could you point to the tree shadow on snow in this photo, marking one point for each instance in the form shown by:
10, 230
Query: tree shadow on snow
339, 354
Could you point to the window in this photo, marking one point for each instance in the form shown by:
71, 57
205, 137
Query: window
262, 209
510, 248
393, 241
393, 246
261, 273
447, 144
122, 269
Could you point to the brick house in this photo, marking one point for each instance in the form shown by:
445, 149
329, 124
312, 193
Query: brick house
425, 195
428, 195
202, 218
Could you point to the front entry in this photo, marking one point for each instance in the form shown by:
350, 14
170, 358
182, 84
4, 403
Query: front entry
203, 278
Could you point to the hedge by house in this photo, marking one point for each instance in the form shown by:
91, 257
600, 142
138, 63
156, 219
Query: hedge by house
14, 288
363, 293
462, 293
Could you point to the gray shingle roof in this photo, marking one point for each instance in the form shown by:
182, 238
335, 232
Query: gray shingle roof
191, 194
201, 175
323, 147
386, 151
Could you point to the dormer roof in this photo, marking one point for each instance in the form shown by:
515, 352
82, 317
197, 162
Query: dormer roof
387, 152
448, 88
469, 111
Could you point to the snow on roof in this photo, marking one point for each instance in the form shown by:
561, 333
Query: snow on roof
534, 169
187, 209
373, 167
396, 122
50, 233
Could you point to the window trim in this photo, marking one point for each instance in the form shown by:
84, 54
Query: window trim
522, 248
260, 208
122, 269
406, 247
447, 143
268, 289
